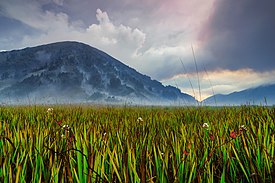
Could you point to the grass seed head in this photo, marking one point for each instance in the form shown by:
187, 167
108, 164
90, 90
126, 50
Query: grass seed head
242, 128
139, 119
50, 110
205, 125
66, 127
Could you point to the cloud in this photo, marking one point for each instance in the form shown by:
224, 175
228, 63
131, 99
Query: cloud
32, 14
121, 41
102, 17
165, 61
241, 34
58, 2
221, 81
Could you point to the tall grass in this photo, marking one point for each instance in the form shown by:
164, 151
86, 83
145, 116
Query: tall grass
109, 144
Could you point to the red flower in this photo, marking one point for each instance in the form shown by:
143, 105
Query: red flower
185, 152
233, 135
211, 137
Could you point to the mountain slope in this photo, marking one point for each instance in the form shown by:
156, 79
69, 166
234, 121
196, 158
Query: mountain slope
253, 96
76, 72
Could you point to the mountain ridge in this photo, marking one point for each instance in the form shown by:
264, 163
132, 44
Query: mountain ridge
260, 95
76, 72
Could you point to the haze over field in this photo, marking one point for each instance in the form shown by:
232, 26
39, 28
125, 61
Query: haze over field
233, 40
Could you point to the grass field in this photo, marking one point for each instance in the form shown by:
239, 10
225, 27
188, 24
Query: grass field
137, 144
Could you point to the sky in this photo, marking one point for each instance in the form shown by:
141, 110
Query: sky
231, 42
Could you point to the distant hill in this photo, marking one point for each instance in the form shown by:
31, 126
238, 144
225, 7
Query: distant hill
261, 95
69, 72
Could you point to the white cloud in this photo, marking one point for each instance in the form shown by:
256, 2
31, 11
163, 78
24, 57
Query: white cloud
120, 41
102, 17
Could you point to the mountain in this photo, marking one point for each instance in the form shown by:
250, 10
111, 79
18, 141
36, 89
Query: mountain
261, 95
70, 72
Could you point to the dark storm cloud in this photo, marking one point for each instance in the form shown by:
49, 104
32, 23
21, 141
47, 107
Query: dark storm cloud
241, 34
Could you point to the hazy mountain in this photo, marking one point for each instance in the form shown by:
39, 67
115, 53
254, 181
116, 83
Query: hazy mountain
74, 72
261, 95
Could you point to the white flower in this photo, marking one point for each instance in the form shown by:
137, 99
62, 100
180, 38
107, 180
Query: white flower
242, 128
104, 133
66, 127
50, 110
139, 119
63, 136
205, 125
